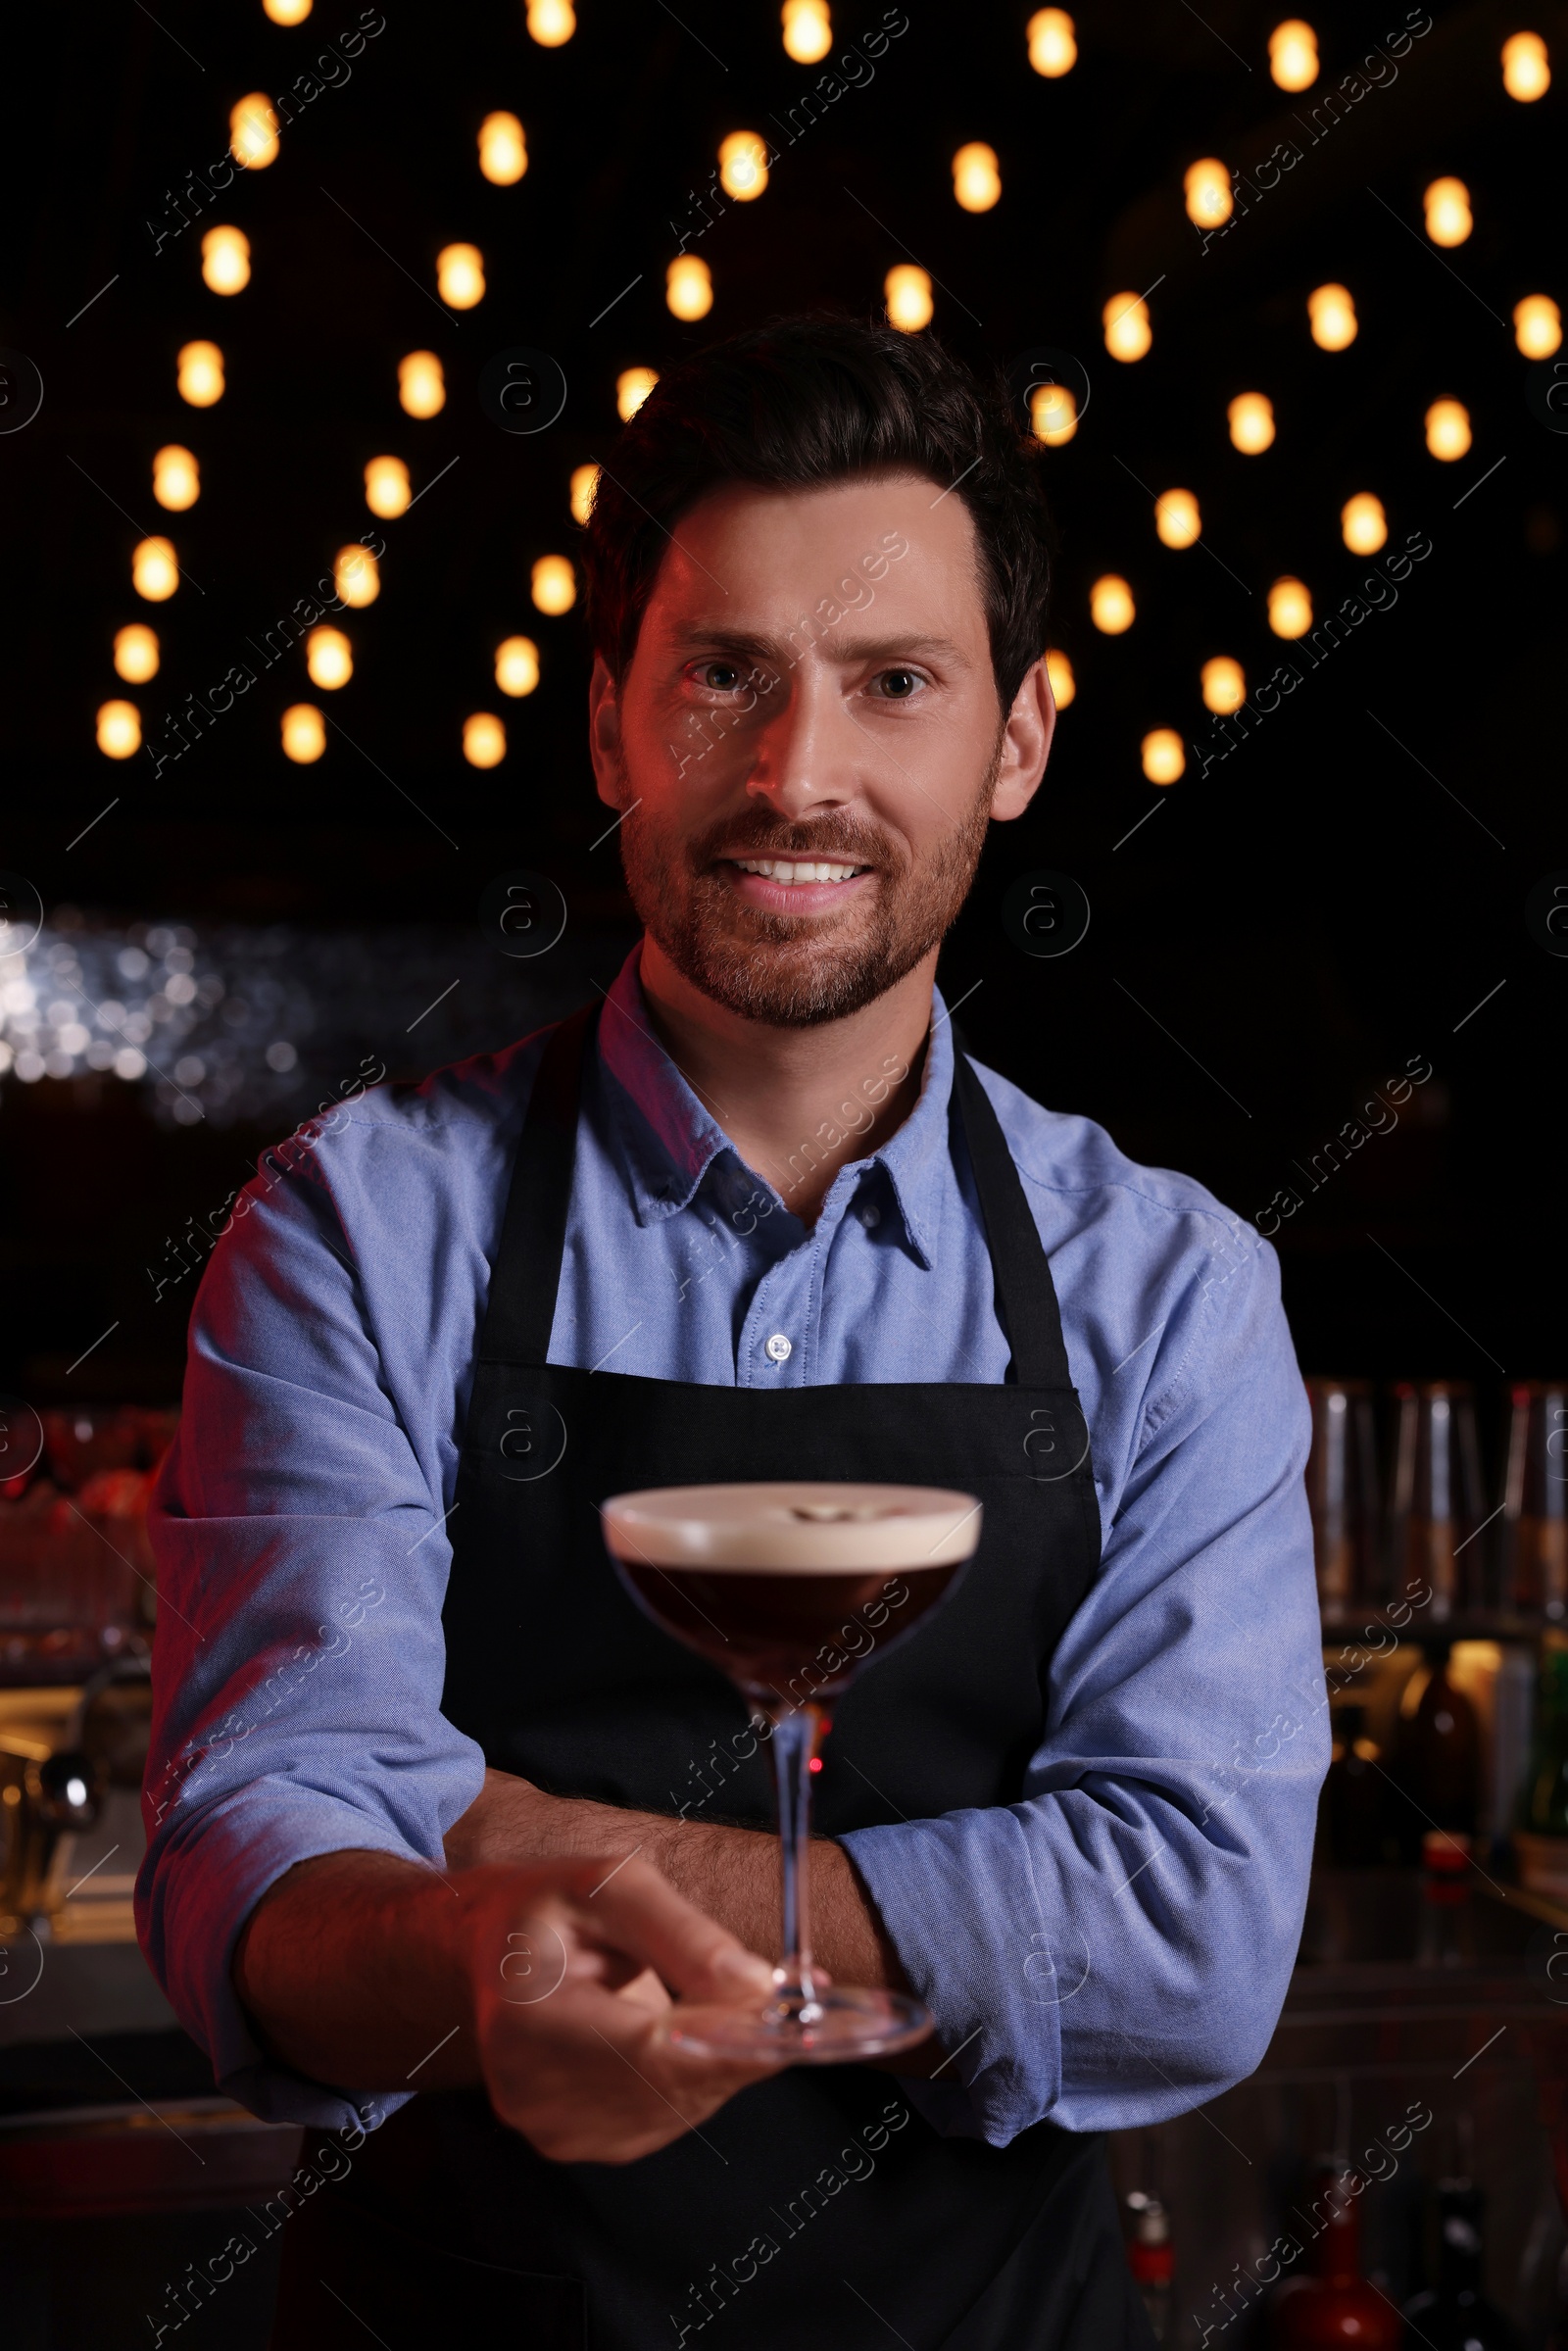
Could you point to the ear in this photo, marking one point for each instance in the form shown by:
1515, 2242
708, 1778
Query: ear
1025, 744
603, 736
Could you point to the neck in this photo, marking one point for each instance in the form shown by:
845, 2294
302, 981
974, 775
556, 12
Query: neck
798, 1104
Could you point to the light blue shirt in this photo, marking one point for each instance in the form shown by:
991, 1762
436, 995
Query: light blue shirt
1111, 1950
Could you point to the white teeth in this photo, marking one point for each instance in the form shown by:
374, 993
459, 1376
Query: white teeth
785, 869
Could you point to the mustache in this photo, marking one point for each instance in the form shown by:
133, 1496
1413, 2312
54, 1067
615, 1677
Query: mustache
760, 835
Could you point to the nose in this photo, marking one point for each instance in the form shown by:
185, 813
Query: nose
807, 753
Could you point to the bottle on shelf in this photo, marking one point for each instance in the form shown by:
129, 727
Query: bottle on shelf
1352, 1815
1341, 1485
1455, 2315
1335, 2303
1540, 1839
1437, 1757
1151, 2257
1435, 1506
1533, 1549
1447, 1936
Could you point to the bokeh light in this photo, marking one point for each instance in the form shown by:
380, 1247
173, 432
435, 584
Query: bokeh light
136, 654
1526, 69
1363, 525
200, 373
553, 584
328, 659
1052, 414
584, 484
1537, 326
1251, 418
743, 165
906, 291
1290, 607
484, 740
1224, 685
1206, 189
177, 478
304, 732
1447, 428
1177, 519
118, 729
355, 575
225, 261
1164, 756
632, 387
287, 12
517, 665
1331, 315
551, 22
688, 287
460, 275
421, 385
154, 569
807, 30
1110, 605
1063, 685
253, 131
976, 178
1128, 334
503, 150
386, 487
1446, 205
1293, 55
1052, 42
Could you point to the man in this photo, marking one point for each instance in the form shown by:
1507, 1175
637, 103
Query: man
752, 1213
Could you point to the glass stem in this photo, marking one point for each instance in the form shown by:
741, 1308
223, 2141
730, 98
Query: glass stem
796, 1730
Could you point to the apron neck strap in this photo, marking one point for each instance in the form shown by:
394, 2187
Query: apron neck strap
1026, 1294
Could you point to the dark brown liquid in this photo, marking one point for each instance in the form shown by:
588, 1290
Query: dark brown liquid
799, 1636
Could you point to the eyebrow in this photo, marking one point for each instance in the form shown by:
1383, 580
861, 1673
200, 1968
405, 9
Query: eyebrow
847, 649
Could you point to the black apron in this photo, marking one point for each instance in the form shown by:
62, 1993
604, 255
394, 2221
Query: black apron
817, 2208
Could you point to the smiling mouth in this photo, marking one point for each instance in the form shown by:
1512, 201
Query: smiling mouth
788, 871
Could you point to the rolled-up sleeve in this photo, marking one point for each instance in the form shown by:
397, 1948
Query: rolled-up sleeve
302, 1563
1116, 1947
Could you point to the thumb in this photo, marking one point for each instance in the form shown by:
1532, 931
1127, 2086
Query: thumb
640, 1912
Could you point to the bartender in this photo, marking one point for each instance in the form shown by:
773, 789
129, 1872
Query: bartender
752, 1211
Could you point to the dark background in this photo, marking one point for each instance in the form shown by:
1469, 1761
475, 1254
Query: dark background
1295, 927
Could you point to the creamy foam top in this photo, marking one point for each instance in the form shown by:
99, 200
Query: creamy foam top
792, 1528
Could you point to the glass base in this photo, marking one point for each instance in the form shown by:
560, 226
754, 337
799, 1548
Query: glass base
843, 2025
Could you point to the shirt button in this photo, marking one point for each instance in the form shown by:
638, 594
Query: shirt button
871, 1214
778, 1349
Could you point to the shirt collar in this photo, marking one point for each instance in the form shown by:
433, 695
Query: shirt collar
670, 1139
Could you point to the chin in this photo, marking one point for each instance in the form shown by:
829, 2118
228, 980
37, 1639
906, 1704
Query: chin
798, 985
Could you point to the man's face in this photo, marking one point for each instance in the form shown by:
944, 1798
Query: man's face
811, 687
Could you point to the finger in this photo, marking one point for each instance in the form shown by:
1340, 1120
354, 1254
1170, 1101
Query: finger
638, 1911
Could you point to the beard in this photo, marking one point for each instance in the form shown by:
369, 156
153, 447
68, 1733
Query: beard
798, 971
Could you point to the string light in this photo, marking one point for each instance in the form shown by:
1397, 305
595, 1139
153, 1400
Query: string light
287, 12
1525, 73
743, 165
551, 22
1447, 424
136, 654
1331, 315
1290, 607
177, 478
386, 487
1363, 525
1053, 49
807, 30
421, 386
1206, 186
119, 730
1446, 203
200, 375
253, 131
1164, 756
355, 575
484, 740
517, 665
1537, 326
1224, 685
1063, 685
1293, 55
503, 150
688, 287
906, 291
1251, 417
225, 261
460, 275
584, 484
976, 179
554, 585
304, 732
632, 387
1110, 605
1128, 334
1053, 414
328, 659
154, 571
1177, 519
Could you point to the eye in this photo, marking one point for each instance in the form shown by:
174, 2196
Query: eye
721, 677
896, 685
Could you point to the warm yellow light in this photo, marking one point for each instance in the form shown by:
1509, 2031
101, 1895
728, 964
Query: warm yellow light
1363, 525
743, 165
328, 657
1290, 607
503, 150
355, 575
1537, 326
554, 585
551, 22
976, 179
1177, 519
1447, 209
1293, 55
907, 293
1110, 605
1206, 186
1331, 315
421, 386
632, 387
484, 740
253, 131
517, 665
1053, 50
136, 654
386, 487
1251, 421
1053, 414
119, 730
460, 275
1224, 684
154, 572
688, 287
304, 733
287, 12
177, 478
1128, 334
225, 261
1164, 757
201, 373
1525, 73
584, 484
1063, 685
807, 30
1447, 424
